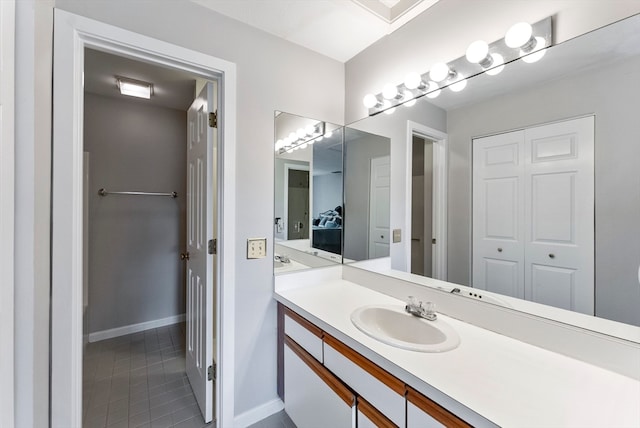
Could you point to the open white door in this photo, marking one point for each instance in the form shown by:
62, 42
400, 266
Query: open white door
201, 257
379, 207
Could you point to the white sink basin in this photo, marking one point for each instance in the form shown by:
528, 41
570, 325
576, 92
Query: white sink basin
393, 326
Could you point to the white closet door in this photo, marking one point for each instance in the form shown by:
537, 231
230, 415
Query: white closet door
559, 214
379, 204
498, 203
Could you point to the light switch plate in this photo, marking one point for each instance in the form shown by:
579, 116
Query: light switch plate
397, 235
256, 248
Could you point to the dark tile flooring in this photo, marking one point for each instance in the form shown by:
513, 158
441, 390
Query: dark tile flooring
139, 380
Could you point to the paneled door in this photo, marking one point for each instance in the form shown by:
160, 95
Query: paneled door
559, 214
498, 204
533, 214
200, 256
379, 201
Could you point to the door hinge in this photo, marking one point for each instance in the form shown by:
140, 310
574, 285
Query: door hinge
211, 372
213, 119
213, 246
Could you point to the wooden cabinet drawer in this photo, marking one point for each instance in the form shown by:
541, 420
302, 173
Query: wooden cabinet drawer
375, 385
313, 396
425, 413
303, 333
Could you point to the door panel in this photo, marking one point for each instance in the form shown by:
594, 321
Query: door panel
560, 210
379, 212
498, 239
298, 204
201, 275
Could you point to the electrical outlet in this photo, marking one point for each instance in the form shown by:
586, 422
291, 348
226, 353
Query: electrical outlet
256, 248
397, 235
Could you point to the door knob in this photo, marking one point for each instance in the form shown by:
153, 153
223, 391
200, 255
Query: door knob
552, 256
184, 256
499, 250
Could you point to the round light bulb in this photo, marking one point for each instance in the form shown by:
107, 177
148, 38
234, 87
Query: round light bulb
439, 72
303, 146
320, 138
412, 80
389, 91
459, 85
435, 91
537, 53
278, 145
293, 137
310, 129
370, 101
290, 150
518, 35
477, 51
387, 105
328, 134
301, 133
498, 65
408, 96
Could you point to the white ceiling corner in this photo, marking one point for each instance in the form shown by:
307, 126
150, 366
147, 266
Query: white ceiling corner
339, 29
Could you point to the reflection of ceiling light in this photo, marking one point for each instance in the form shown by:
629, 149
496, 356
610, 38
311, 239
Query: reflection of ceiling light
301, 138
478, 53
435, 91
134, 88
459, 85
537, 53
409, 100
328, 134
390, 91
497, 66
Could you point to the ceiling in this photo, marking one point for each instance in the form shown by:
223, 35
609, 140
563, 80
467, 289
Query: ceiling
339, 29
171, 88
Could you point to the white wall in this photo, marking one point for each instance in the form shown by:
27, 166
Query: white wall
135, 271
34, 27
447, 28
612, 94
269, 78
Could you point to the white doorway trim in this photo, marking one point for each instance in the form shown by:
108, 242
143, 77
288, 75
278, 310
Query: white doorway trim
440, 163
7, 206
285, 214
72, 34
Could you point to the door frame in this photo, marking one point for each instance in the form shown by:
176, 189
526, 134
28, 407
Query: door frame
440, 187
72, 33
7, 206
285, 214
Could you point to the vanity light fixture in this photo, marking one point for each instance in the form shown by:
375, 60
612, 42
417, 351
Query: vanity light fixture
528, 41
302, 138
134, 88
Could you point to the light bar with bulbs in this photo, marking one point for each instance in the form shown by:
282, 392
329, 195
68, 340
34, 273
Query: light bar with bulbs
302, 137
523, 40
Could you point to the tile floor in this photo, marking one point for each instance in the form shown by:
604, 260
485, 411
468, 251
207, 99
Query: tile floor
139, 380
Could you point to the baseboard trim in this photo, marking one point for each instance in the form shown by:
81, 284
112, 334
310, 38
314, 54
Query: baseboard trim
134, 328
256, 414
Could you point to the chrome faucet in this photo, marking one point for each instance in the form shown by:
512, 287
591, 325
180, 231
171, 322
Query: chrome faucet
283, 258
423, 310
455, 290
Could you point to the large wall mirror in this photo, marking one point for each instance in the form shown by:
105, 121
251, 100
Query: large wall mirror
540, 203
308, 219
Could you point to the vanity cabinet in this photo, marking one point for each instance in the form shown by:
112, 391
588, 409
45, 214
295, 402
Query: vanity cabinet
384, 391
313, 396
328, 384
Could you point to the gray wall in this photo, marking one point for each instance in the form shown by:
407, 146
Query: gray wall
327, 192
357, 164
611, 95
135, 273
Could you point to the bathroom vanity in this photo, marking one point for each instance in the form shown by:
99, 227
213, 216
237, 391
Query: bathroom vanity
331, 369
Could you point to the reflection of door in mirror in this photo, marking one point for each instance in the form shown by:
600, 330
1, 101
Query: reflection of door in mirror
422, 207
379, 207
298, 204
533, 214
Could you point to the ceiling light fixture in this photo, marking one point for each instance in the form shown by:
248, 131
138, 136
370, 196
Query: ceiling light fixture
134, 88
528, 41
302, 137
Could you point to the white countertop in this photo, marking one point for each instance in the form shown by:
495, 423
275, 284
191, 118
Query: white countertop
508, 382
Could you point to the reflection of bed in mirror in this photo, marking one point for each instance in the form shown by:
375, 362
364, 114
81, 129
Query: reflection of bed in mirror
326, 231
